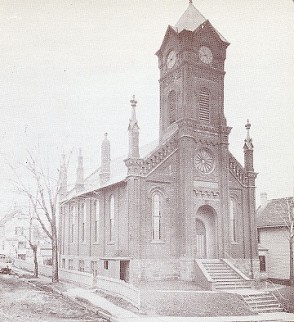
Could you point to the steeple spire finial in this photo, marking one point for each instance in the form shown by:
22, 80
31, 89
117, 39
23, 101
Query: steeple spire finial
133, 132
105, 160
134, 105
190, 2
248, 126
248, 140
80, 172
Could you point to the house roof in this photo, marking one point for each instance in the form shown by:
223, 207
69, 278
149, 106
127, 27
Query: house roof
274, 213
10, 215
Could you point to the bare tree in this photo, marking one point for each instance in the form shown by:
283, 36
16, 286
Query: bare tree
285, 208
42, 190
34, 246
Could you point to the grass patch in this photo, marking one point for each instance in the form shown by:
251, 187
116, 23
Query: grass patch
286, 296
118, 301
190, 304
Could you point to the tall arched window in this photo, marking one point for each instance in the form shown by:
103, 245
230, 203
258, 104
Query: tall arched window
111, 218
172, 106
73, 221
204, 105
97, 218
233, 220
83, 216
156, 217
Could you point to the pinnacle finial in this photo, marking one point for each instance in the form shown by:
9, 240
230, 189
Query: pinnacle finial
248, 140
247, 125
133, 102
190, 1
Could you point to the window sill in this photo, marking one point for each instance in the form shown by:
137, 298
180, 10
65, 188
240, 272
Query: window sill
96, 243
157, 242
234, 243
111, 243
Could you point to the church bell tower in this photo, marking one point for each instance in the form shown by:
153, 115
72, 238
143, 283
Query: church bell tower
191, 62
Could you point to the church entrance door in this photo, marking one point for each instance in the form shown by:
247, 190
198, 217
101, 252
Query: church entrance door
205, 239
200, 239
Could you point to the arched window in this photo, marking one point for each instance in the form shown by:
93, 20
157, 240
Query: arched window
156, 217
84, 218
73, 221
233, 220
111, 218
204, 105
97, 219
172, 106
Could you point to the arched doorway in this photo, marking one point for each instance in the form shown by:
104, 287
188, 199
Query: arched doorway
205, 239
200, 239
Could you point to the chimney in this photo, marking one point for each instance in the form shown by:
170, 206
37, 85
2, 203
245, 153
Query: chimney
105, 160
263, 199
80, 173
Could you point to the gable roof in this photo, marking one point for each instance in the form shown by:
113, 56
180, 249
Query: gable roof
118, 173
10, 215
274, 213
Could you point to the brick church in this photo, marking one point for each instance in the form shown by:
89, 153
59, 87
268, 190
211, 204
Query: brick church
153, 214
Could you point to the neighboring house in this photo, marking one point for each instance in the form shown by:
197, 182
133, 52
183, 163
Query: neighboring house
16, 227
273, 237
149, 215
14, 231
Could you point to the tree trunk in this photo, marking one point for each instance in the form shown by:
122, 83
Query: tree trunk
291, 240
55, 277
36, 270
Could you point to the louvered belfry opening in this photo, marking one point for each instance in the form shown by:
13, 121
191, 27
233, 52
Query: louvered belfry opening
204, 105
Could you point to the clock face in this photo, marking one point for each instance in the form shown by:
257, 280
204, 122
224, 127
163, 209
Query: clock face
204, 161
171, 59
205, 55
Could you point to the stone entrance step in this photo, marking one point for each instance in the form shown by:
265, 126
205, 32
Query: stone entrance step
223, 276
263, 303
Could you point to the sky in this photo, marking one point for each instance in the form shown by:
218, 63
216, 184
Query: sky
70, 68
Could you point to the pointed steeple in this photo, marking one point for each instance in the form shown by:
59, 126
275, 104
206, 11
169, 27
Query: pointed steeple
133, 132
248, 150
248, 141
190, 20
105, 160
63, 176
80, 172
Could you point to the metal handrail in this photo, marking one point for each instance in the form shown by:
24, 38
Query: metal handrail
280, 295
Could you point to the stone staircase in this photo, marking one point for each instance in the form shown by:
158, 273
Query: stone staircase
223, 276
263, 302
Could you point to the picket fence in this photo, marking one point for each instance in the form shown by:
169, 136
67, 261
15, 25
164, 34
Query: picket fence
108, 285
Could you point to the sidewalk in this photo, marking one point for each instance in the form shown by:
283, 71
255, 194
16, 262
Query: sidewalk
115, 313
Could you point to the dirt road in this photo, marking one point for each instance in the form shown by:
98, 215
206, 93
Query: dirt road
21, 301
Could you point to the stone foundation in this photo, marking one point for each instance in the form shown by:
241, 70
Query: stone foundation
154, 270
157, 269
